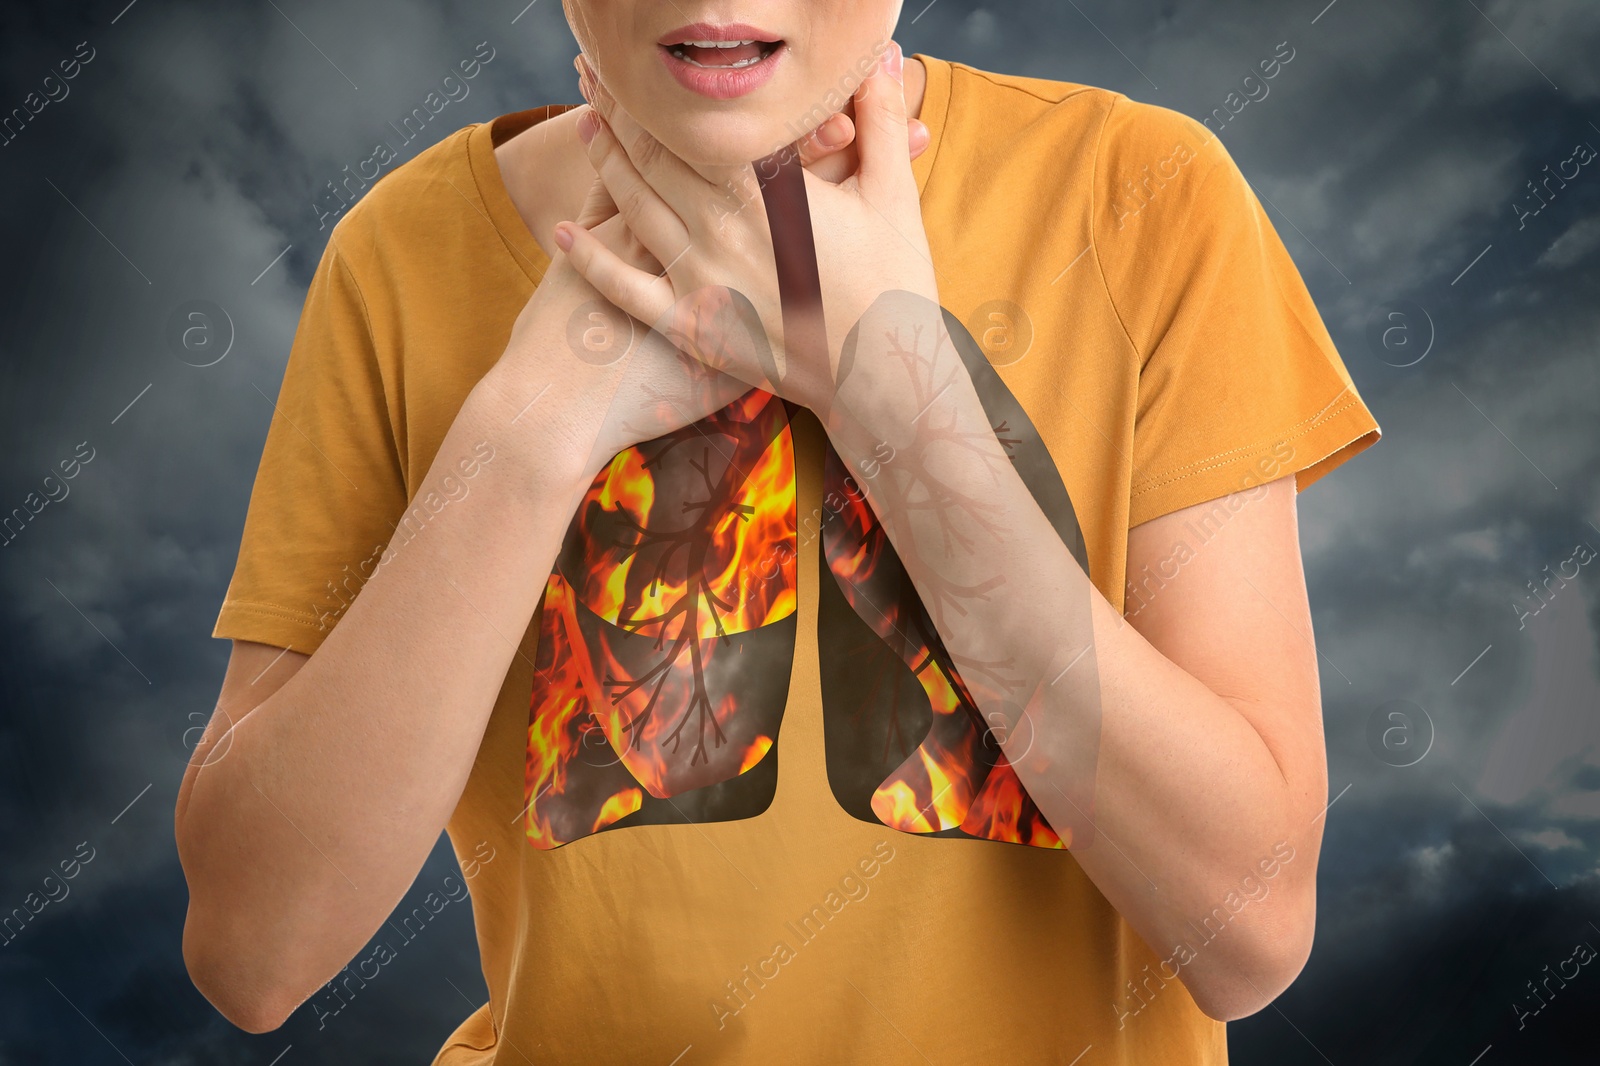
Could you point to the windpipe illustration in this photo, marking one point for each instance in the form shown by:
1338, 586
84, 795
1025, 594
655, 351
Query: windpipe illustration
667, 630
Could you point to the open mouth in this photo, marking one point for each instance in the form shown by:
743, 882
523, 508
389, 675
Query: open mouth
721, 62
723, 55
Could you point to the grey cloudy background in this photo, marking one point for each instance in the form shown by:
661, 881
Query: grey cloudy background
1392, 151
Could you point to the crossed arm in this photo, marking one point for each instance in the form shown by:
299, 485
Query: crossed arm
1209, 748
1203, 707
1181, 751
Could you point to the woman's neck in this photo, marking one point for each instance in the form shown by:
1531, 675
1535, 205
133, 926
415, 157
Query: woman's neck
547, 174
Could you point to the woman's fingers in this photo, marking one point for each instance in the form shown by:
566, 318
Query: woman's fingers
651, 218
826, 151
597, 205
644, 296
920, 137
833, 136
599, 216
883, 138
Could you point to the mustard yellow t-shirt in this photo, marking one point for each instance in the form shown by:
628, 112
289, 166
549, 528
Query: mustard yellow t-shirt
1133, 297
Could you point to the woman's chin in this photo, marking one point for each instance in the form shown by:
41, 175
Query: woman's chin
723, 140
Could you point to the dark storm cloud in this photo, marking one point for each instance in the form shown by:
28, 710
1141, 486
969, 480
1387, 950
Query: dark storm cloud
195, 147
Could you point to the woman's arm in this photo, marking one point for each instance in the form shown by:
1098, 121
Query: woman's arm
302, 826
322, 783
1187, 746
1174, 787
1236, 618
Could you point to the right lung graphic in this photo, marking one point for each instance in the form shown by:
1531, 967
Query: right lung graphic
666, 637
906, 744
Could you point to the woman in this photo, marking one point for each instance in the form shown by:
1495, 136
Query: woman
517, 567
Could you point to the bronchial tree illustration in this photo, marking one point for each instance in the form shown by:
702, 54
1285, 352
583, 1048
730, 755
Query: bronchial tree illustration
665, 648
659, 548
655, 635
901, 516
908, 483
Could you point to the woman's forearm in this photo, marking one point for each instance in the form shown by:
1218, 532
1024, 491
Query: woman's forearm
1170, 794
302, 828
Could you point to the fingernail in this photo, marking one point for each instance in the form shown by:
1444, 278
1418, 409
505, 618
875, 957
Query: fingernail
563, 238
895, 62
588, 125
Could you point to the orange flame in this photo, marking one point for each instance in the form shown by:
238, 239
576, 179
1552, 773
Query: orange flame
665, 545
618, 807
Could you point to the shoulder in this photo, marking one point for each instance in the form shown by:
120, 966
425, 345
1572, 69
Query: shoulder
1089, 141
1016, 89
1156, 189
1011, 112
1157, 174
1134, 127
1020, 102
409, 209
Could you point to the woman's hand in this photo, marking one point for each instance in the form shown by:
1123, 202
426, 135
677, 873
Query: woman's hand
628, 383
710, 228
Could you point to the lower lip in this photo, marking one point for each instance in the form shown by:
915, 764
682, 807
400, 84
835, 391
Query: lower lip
722, 84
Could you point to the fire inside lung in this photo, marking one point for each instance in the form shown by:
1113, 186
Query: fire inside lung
906, 743
666, 636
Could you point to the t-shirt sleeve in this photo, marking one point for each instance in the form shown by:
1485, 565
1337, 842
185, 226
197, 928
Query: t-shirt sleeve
1239, 382
330, 486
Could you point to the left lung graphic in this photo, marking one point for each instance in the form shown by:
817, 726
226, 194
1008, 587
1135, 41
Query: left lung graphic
666, 634
906, 745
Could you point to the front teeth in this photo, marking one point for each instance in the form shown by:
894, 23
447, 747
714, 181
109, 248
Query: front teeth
721, 66
678, 51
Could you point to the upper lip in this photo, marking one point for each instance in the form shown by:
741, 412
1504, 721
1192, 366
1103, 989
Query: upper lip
706, 31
